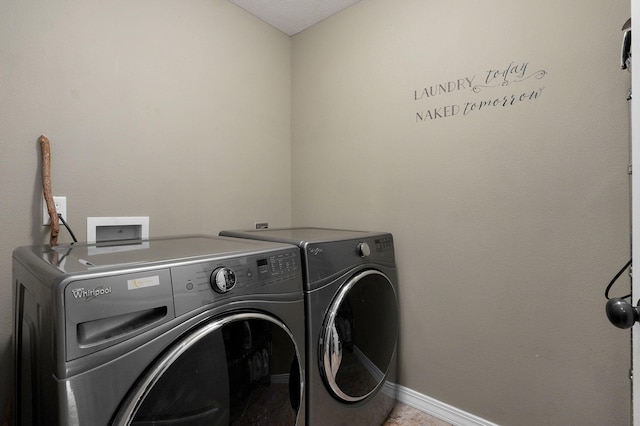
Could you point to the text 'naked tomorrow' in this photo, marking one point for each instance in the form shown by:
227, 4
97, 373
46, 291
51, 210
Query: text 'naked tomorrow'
494, 78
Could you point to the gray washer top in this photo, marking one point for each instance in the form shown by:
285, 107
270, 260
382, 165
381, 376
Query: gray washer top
79, 258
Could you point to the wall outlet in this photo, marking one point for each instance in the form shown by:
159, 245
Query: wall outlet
61, 208
262, 225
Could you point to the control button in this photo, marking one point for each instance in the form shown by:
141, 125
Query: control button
363, 250
222, 279
189, 286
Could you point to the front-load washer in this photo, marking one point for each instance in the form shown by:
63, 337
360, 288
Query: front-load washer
189, 330
351, 303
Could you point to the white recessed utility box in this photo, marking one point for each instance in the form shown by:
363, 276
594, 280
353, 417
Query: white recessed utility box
105, 229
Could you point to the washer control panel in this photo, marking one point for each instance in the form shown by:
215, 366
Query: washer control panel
217, 280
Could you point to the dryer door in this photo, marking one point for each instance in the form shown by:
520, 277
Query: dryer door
358, 339
242, 369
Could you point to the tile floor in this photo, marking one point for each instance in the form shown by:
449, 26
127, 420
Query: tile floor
404, 415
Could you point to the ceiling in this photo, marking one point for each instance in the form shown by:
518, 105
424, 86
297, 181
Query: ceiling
293, 16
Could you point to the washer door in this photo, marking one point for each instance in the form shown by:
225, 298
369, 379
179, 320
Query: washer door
242, 369
359, 336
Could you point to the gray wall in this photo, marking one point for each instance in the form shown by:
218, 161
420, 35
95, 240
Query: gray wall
509, 220
179, 110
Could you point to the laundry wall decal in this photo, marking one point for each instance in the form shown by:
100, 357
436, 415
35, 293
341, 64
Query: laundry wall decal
492, 89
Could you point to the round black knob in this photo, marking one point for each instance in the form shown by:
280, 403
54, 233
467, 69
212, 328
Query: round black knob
621, 313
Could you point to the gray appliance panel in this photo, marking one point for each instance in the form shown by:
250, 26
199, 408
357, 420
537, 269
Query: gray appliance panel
264, 274
331, 259
100, 312
104, 310
104, 320
299, 236
328, 253
78, 258
100, 296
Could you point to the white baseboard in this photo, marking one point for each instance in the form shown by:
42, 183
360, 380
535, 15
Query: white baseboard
439, 409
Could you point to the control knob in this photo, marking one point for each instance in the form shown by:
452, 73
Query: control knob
363, 250
222, 279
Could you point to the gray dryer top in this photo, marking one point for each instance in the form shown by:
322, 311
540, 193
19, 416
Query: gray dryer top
303, 235
328, 253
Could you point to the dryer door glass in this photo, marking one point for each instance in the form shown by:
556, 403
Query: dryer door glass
358, 339
240, 370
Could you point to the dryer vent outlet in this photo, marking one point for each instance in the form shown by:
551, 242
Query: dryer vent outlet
262, 225
106, 229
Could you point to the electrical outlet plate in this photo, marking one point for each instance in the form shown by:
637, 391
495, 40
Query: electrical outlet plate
61, 208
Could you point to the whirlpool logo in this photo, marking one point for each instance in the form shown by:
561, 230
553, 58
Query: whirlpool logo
315, 251
90, 294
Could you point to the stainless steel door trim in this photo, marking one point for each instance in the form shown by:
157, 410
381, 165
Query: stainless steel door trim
330, 344
136, 397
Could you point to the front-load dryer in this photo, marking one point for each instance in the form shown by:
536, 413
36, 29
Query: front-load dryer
186, 331
351, 303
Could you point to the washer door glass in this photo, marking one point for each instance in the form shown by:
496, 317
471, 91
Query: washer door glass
359, 336
242, 369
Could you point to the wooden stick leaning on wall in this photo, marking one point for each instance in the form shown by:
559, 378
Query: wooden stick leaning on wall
46, 189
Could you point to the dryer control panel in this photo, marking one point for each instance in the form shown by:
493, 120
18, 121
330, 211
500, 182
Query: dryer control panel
325, 259
221, 280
